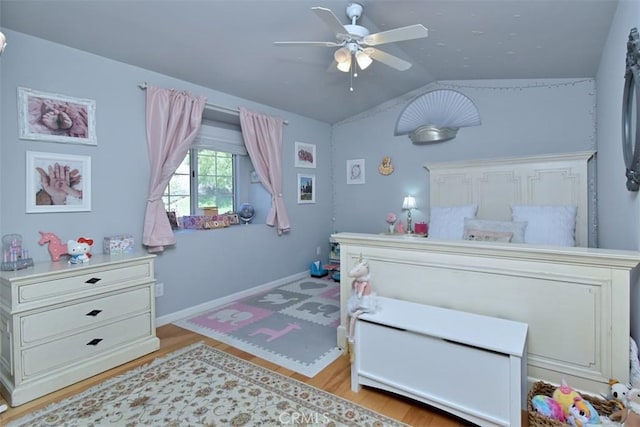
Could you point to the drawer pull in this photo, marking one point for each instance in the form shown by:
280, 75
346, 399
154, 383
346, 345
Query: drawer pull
93, 280
94, 341
94, 313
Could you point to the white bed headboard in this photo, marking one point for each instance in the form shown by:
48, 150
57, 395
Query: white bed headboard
496, 184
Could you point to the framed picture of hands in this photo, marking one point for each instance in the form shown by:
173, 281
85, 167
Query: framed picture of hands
58, 182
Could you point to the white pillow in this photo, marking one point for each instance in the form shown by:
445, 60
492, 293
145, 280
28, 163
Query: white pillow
547, 225
487, 236
517, 228
448, 222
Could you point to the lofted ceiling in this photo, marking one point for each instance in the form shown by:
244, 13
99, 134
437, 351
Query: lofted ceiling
228, 45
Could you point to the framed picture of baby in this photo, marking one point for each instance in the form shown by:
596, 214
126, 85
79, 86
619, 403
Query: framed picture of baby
56, 118
58, 182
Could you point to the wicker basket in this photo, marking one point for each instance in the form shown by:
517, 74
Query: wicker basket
604, 407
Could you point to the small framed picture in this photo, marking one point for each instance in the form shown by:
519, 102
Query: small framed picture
305, 155
58, 182
355, 171
306, 188
254, 177
56, 118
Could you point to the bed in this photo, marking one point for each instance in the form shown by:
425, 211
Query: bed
579, 301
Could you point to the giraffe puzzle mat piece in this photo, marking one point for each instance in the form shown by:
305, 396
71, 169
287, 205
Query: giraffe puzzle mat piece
293, 325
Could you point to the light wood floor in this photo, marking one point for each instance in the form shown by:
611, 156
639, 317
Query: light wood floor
334, 379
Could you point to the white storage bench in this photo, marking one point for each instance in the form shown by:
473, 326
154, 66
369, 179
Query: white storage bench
469, 365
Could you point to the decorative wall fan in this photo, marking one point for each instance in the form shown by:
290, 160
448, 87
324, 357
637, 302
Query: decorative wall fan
354, 42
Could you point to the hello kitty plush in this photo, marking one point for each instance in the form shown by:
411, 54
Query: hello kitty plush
79, 250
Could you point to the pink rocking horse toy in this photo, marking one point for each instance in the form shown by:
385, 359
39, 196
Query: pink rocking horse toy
56, 247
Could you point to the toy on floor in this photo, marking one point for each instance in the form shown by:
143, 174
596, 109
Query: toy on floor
582, 413
565, 396
630, 416
317, 270
548, 407
79, 250
633, 400
618, 392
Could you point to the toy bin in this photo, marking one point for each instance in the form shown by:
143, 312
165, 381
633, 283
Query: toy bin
604, 407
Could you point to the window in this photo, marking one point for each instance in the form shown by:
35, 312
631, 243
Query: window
204, 178
215, 172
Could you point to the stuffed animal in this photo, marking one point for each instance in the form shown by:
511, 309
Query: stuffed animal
633, 400
565, 396
634, 363
548, 407
362, 299
618, 392
582, 413
79, 250
630, 416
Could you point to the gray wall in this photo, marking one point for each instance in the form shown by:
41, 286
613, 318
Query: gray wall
618, 209
204, 265
519, 117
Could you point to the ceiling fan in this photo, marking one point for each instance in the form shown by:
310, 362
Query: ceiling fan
355, 42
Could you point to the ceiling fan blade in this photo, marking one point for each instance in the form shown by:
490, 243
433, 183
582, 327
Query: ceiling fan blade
387, 59
332, 21
318, 44
397, 35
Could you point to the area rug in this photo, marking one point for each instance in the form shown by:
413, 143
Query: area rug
202, 386
292, 325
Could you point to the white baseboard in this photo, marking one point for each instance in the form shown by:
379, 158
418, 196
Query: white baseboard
187, 312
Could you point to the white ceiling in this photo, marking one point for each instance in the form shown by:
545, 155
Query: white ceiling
228, 45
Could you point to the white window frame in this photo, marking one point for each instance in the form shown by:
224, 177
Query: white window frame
214, 138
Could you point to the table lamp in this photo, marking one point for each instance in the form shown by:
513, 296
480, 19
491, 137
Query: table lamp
408, 204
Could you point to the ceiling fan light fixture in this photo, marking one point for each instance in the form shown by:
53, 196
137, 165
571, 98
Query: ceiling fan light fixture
363, 60
3, 42
353, 41
345, 66
342, 55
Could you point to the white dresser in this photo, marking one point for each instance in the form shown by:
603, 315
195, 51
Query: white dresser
63, 323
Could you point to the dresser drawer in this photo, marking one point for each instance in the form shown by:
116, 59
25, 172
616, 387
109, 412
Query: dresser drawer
55, 355
83, 315
85, 280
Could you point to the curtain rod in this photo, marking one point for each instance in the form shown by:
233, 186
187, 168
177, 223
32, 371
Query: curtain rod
208, 106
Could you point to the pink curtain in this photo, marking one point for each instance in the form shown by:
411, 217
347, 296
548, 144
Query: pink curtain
263, 139
173, 119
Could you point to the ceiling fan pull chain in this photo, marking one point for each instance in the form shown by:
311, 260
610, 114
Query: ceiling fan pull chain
351, 77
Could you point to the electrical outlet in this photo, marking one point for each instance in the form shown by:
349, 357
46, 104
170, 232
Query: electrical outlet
318, 250
159, 289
